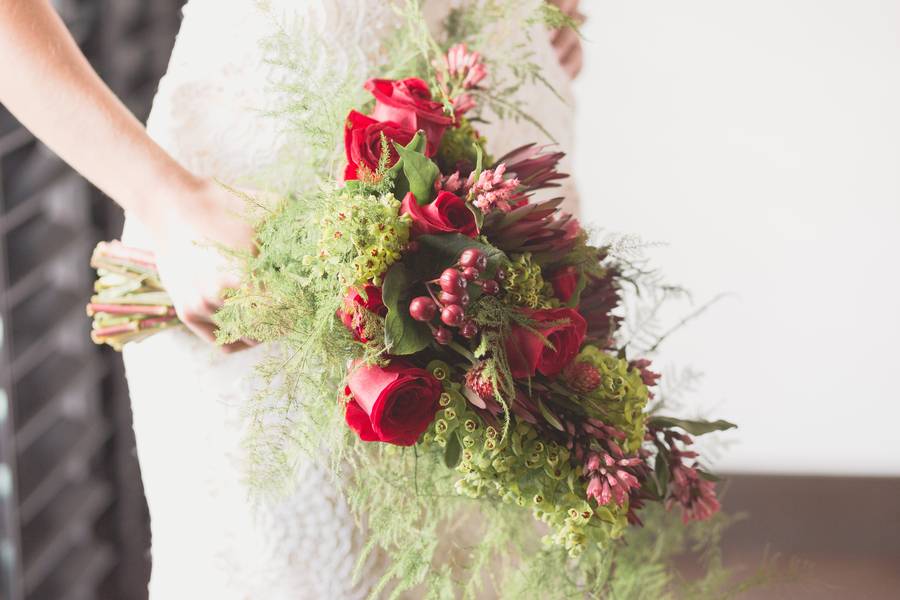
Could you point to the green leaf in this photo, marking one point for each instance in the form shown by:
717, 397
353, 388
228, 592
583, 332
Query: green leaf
549, 416
479, 216
661, 468
579, 287
452, 451
419, 171
437, 252
418, 143
692, 427
403, 335
708, 476
479, 161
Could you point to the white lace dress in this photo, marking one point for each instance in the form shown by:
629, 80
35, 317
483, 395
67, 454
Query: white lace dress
208, 540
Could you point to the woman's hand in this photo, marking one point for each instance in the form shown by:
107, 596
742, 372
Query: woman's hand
189, 240
51, 88
567, 41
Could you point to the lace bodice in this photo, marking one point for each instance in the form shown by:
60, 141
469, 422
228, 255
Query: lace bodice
209, 113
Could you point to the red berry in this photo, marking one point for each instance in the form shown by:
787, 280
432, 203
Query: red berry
470, 258
471, 273
501, 275
422, 308
446, 298
412, 246
462, 299
452, 281
443, 336
452, 315
468, 330
482, 262
490, 287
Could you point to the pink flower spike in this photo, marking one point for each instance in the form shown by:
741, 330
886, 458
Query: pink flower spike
465, 66
493, 192
463, 104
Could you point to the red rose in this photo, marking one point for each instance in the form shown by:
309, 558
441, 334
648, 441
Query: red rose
392, 404
564, 283
362, 142
447, 214
354, 302
408, 102
528, 353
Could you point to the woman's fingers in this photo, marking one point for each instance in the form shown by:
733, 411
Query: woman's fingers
200, 322
567, 41
573, 61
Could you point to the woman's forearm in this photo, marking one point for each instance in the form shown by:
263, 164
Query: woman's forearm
46, 82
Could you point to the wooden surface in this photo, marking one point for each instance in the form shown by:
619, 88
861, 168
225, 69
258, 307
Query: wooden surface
846, 530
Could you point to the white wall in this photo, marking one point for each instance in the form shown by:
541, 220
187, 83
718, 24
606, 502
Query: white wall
761, 140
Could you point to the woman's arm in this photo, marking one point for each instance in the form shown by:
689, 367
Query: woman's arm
46, 82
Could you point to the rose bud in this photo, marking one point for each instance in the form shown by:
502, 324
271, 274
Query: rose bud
452, 315
422, 308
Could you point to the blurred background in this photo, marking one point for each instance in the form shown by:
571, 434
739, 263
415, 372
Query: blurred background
753, 146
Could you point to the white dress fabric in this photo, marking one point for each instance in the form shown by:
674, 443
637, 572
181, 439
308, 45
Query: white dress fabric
209, 540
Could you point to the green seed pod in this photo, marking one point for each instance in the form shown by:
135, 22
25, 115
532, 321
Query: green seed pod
491, 432
440, 426
439, 369
444, 399
538, 499
470, 425
449, 414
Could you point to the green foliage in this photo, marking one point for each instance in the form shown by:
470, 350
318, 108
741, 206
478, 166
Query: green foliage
620, 399
692, 427
417, 172
459, 147
403, 334
525, 285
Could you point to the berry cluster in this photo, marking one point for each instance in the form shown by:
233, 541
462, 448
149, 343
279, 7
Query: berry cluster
453, 297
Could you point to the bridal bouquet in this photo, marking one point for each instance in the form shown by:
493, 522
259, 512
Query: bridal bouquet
451, 334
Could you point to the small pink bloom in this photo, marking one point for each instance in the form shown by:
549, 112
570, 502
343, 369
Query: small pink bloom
492, 191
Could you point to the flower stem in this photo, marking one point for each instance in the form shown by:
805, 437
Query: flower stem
462, 351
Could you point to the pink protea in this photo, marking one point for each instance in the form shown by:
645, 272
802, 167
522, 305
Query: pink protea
534, 166
492, 191
609, 479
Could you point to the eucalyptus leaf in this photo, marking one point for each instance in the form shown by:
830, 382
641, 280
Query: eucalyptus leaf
692, 427
403, 335
549, 416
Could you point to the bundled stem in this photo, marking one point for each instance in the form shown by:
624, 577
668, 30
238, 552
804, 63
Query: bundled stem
129, 301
